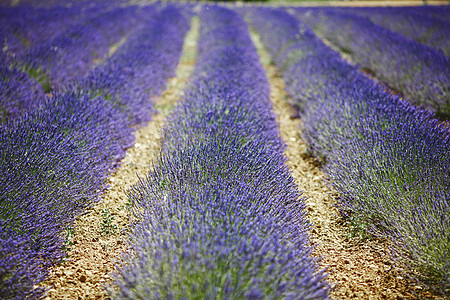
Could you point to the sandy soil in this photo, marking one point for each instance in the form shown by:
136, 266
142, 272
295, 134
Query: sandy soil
100, 235
357, 269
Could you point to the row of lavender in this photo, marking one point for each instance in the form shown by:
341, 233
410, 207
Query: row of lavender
441, 12
219, 216
54, 160
64, 56
417, 25
417, 71
24, 27
389, 160
70, 55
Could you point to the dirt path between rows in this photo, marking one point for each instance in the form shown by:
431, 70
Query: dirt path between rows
112, 49
357, 269
100, 235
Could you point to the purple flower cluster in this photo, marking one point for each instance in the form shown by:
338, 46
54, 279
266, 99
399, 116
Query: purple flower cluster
390, 161
18, 93
148, 58
441, 12
23, 27
54, 160
413, 25
58, 55
219, 216
416, 70
70, 55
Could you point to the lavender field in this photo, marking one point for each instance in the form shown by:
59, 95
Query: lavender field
206, 151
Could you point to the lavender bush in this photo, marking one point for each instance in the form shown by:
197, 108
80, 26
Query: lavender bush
23, 27
54, 160
441, 12
389, 160
18, 93
54, 163
148, 58
417, 71
55, 61
416, 26
220, 215
71, 54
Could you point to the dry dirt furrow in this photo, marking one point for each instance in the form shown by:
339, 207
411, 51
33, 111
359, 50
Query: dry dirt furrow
99, 237
357, 269
112, 49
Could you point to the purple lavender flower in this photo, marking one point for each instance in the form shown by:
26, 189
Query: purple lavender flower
413, 25
417, 71
55, 157
18, 93
221, 217
388, 159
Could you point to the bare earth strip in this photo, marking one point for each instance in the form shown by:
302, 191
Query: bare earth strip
357, 269
112, 49
100, 235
